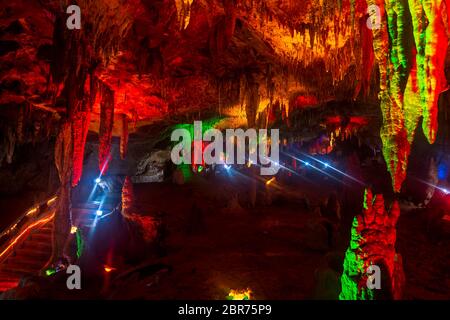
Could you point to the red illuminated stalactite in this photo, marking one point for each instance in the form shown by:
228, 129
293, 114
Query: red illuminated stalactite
63, 162
252, 100
367, 56
124, 137
127, 197
80, 128
230, 21
381, 43
446, 4
106, 126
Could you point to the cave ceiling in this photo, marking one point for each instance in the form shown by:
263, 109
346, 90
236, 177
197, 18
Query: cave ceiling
138, 61
157, 66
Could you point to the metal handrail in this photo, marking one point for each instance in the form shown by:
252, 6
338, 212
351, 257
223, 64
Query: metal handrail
31, 215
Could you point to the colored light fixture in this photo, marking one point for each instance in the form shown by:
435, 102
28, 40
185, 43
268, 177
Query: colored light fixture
108, 269
73, 230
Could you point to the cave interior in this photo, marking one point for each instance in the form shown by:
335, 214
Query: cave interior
353, 96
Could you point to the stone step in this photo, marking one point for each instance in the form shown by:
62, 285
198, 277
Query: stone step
28, 257
8, 281
37, 245
106, 205
47, 228
20, 271
9, 275
24, 264
6, 285
30, 252
40, 237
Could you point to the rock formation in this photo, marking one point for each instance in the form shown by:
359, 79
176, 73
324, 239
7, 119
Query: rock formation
373, 238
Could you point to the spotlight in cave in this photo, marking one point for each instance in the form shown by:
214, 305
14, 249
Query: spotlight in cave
357, 92
244, 294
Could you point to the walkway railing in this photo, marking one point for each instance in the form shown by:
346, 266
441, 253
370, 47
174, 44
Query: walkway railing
36, 216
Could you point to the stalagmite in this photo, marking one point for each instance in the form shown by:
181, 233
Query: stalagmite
373, 237
127, 197
141, 228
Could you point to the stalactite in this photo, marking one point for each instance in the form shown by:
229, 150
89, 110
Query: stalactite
124, 137
184, 12
410, 48
373, 237
63, 162
252, 101
396, 146
10, 144
106, 126
434, 62
230, 20
80, 128
77, 54
367, 56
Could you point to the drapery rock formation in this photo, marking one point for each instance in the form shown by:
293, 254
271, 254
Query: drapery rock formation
373, 238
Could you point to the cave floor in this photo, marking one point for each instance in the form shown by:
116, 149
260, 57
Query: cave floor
265, 248
261, 248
